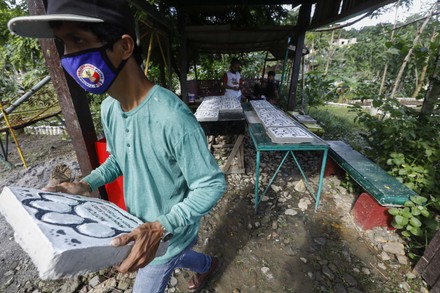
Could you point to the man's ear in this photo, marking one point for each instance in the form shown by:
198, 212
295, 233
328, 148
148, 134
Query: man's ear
127, 46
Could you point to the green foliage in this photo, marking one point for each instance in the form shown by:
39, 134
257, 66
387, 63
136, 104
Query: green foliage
409, 149
416, 222
240, 16
318, 88
339, 124
349, 184
21, 59
402, 144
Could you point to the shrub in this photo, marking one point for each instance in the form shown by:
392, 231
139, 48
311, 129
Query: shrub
408, 149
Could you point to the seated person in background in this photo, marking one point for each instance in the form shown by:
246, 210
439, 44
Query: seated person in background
268, 88
232, 81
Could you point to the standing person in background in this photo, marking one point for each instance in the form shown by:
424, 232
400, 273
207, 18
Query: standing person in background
232, 81
170, 177
271, 88
268, 89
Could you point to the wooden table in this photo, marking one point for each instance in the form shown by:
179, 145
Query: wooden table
228, 124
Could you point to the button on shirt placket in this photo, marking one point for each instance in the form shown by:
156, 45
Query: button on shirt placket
128, 121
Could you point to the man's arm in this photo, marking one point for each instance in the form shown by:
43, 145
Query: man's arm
105, 173
205, 181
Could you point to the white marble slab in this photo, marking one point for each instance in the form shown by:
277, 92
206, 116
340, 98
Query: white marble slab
66, 235
288, 135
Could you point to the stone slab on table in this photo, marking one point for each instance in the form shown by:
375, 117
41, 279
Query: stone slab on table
261, 104
207, 115
288, 135
66, 235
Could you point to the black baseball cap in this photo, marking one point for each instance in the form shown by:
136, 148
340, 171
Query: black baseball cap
116, 12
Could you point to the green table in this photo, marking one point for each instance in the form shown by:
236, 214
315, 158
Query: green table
263, 143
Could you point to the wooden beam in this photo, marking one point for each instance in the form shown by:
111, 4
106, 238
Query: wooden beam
181, 19
233, 154
427, 266
152, 13
235, 2
73, 101
303, 23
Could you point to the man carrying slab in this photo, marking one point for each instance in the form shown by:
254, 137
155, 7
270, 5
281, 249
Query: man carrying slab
170, 178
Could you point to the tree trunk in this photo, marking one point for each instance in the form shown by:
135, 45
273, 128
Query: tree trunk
419, 84
408, 56
330, 54
385, 69
432, 96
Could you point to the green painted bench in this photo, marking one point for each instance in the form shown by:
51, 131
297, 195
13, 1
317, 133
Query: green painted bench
386, 189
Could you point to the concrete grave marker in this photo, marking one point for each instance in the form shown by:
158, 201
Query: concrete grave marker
66, 235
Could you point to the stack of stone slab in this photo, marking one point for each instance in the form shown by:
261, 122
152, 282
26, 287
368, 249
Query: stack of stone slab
66, 235
212, 106
288, 134
208, 109
230, 105
310, 123
280, 127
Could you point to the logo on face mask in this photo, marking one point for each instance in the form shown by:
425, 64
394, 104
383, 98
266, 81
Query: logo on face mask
92, 69
91, 76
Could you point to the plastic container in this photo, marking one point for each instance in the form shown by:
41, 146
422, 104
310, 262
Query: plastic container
115, 190
191, 98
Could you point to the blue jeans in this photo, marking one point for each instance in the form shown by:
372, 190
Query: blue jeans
154, 278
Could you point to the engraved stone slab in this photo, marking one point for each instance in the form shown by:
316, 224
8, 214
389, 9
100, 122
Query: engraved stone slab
258, 104
221, 104
207, 115
230, 104
211, 103
288, 135
64, 234
275, 119
209, 106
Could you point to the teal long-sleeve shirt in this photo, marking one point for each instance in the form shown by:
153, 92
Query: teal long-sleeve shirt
170, 176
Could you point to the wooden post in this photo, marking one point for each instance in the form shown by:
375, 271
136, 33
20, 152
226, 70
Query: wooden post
170, 68
303, 22
429, 263
181, 18
73, 101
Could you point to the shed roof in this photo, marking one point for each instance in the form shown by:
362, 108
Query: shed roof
230, 39
236, 37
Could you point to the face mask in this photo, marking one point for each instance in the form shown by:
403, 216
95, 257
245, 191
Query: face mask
92, 69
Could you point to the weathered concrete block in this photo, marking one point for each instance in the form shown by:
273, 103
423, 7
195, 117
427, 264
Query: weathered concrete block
66, 235
367, 213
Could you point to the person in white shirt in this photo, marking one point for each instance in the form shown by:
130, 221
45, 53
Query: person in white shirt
232, 80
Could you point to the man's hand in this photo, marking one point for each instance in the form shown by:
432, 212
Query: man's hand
81, 188
146, 239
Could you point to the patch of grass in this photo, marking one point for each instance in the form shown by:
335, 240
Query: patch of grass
339, 124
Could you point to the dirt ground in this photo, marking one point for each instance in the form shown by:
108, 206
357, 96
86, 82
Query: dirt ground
279, 248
